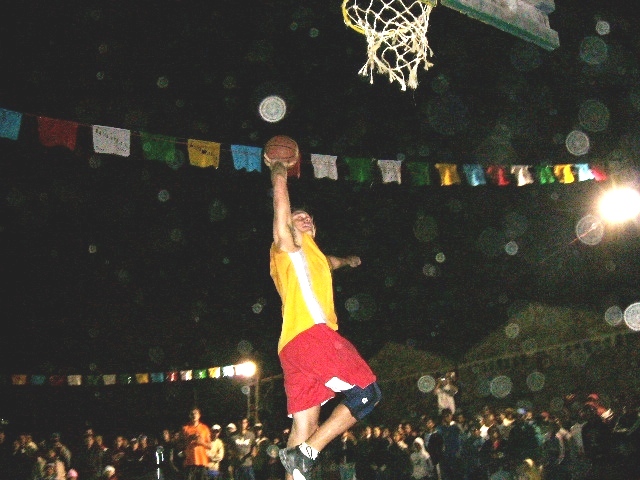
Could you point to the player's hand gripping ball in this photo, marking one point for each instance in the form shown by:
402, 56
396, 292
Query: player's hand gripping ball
281, 149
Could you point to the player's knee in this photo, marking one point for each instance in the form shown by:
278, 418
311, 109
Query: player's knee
361, 401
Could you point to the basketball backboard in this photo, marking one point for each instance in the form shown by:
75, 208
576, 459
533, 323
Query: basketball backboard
526, 19
396, 30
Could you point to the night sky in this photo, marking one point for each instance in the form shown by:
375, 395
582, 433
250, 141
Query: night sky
112, 264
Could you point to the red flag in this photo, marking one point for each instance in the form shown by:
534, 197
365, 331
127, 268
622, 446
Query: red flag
498, 175
55, 132
57, 380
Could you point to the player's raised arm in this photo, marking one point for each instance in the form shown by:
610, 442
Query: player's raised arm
280, 153
283, 231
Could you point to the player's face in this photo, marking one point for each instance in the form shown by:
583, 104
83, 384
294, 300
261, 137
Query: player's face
303, 222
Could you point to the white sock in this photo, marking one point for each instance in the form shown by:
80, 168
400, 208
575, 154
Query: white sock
308, 451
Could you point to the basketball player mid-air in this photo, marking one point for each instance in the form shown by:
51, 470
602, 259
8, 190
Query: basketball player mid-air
315, 359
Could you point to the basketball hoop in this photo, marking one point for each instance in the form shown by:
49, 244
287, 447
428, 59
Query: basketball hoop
396, 33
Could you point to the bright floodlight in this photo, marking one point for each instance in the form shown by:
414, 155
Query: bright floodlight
620, 205
246, 369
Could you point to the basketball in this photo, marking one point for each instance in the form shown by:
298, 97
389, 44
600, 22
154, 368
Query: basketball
281, 149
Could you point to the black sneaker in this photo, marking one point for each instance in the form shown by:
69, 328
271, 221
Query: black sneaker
295, 462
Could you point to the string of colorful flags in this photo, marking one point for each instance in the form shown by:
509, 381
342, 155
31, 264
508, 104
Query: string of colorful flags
563, 353
245, 370
202, 153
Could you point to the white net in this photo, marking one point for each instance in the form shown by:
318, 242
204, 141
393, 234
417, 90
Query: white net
396, 34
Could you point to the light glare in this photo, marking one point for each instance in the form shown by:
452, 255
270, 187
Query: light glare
620, 205
246, 369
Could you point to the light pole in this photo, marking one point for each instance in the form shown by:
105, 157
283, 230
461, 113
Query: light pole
252, 373
256, 398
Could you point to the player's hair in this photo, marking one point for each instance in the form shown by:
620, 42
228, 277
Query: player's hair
300, 208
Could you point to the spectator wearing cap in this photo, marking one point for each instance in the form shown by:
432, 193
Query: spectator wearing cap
196, 439
594, 402
596, 438
228, 464
215, 453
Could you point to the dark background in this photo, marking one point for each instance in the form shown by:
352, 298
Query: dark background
102, 274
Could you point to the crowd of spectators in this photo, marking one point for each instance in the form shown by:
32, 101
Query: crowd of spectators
585, 440
123, 457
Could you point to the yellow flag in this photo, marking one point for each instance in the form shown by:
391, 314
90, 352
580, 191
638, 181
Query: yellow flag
564, 173
448, 174
203, 154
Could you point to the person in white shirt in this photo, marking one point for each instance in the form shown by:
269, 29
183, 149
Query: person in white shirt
445, 391
215, 453
422, 465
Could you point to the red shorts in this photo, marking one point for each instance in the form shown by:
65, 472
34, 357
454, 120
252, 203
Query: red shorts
314, 357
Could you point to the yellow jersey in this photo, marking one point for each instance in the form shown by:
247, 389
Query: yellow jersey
303, 280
